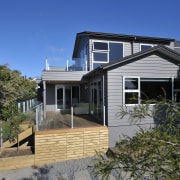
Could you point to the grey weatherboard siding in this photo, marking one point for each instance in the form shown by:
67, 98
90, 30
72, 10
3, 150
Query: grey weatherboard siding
148, 67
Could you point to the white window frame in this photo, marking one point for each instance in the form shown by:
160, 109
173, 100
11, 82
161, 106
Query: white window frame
143, 44
100, 51
103, 51
131, 90
139, 88
106, 42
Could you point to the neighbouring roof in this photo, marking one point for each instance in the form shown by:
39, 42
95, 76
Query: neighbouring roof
121, 37
172, 55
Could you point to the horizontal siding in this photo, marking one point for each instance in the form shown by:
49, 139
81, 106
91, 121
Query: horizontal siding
127, 49
152, 66
62, 76
117, 133
136, 47
16, 162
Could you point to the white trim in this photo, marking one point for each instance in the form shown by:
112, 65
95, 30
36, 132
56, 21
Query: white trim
144, 44
105, 42
139, 87
102, 51
63, 87
131, 90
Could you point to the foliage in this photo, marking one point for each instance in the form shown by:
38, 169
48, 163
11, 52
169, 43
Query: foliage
155, 152
10, 128
14, 88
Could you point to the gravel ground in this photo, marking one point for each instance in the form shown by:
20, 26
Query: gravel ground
80, 169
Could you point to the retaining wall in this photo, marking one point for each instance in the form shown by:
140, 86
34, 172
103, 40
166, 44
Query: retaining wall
66, 144
61, 145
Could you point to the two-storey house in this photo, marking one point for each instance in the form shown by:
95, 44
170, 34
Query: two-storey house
108, 71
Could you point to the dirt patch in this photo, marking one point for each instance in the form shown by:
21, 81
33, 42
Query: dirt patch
13, 152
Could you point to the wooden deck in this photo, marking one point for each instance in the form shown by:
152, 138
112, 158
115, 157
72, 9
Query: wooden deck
58, 120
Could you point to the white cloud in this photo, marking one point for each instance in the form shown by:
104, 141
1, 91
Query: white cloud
54, 49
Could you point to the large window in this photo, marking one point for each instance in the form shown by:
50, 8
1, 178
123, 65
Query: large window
155, 89
139, 90
105, 52
115, 51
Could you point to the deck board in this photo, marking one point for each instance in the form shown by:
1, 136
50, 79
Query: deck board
57, 120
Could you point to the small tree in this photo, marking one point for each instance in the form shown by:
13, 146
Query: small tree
10, 128
155, 152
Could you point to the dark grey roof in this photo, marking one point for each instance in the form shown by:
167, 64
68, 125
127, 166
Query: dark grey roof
121, 37
172, 55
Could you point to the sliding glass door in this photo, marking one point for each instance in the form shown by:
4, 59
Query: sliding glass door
66, 96
96, 99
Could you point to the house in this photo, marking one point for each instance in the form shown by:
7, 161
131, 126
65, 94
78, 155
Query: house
109, 69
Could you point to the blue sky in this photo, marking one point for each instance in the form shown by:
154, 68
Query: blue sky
31, 30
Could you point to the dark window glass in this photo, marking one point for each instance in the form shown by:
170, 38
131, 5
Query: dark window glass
131, 83
116, 51
100, 46
145, 47
131, 98
156, 89
75, 94
177, 84
100, 57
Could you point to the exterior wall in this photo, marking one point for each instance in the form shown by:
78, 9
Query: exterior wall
127, 49
152, 66
136, 47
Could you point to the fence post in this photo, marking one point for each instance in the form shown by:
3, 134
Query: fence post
37, 125
72, 123
30, 103
19, 105
104, 122
41, 112
24, 106
27, 105
1, 139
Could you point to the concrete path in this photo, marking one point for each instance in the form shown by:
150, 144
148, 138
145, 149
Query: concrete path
31, 173
82, 175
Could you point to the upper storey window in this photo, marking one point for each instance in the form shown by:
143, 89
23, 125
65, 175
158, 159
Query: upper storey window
100, 46
100, 52
144, 47
105, 52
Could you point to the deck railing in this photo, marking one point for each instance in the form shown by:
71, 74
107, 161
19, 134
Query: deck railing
73, 67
